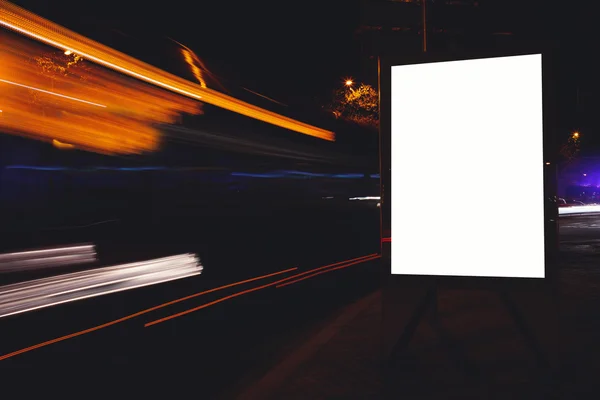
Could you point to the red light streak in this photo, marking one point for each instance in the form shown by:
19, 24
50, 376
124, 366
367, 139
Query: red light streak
318, 271
324, 271
137, 314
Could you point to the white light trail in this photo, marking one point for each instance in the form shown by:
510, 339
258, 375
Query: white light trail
41, 293
578, 210
47, 258
52, 93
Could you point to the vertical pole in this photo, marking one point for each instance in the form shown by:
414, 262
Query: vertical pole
381, 186
424, 6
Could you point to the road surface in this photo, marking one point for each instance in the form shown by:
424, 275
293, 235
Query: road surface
222, 342
577, 228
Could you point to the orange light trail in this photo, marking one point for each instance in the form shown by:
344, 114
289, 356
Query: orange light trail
325, 267
55, 97
279, 283
33, 26
195, 70
326, 270
52, 93
137, 314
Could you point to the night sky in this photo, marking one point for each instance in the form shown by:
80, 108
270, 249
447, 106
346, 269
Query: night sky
296, 51
291, 51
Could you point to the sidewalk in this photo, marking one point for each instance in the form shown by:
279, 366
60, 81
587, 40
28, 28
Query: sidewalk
339, 362
342, 361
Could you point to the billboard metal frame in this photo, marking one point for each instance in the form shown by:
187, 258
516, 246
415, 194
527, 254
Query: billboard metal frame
549, 56
535, 287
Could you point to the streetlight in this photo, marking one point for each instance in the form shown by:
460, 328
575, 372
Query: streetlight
575, 135
349, 82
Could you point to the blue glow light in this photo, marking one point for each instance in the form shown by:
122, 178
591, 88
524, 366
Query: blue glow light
304, 173
36, 168
248, 175
275, 174
142, 169
348, 176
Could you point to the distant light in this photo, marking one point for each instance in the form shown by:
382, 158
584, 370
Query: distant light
366, 198
584, 174
575, 134
547, 163
68, 52
349, 82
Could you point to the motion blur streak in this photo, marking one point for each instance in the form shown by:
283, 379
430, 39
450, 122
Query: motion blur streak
365, 198
189, 58
32, 295
47, 258
59, 98
578, 210
29, 24
231, 296
359, 259
328, 270
52, 93
137, 314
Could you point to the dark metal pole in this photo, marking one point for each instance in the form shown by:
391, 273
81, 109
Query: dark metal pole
424, 4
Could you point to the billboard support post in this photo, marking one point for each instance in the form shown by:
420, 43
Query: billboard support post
429, 302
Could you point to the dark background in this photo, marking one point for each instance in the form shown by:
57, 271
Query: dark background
290, 51
297, 52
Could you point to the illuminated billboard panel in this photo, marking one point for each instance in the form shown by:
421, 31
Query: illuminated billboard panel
467, 168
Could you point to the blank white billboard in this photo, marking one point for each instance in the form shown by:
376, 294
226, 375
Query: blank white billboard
467, 168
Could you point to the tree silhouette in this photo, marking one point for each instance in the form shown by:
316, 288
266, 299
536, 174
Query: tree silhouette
570, 149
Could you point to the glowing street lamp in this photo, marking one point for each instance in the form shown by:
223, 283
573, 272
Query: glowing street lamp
575, 135
349, 82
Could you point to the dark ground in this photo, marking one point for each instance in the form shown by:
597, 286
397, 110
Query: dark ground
348, 365
225, 350
210, 350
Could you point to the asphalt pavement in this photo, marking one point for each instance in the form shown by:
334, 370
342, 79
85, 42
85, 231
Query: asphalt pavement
580, 227
343, 359
234, 330
236, 342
